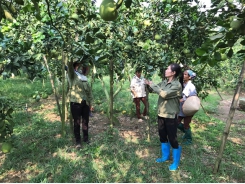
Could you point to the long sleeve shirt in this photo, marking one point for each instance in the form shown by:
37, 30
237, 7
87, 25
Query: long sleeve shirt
169, 95
81, 90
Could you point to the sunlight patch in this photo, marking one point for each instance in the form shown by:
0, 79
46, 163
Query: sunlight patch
142, 153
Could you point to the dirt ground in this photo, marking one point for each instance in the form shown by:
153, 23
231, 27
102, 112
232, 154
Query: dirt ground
224, 109
131, 128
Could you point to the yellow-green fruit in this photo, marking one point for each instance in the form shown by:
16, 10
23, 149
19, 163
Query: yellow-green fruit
158, 37
128, 47
223, 57
165, 46
74, 16
8, 15
158, 45
108, 11
186, 51
44, 95
147, 22
235, 24
6, 147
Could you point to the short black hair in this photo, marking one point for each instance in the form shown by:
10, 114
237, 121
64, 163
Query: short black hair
75, 64
138, 70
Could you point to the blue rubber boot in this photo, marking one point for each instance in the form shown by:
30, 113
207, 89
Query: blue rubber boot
165, 147
176, 159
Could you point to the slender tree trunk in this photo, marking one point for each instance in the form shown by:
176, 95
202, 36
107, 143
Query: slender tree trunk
218, 93
111, 92
148, 128
70, 77
64, 60
229, 119
52, 84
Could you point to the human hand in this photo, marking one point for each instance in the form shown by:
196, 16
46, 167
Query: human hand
148, 82
91, 108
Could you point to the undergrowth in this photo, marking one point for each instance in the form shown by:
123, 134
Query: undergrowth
41, 154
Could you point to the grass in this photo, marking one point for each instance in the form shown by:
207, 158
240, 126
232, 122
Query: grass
41, 154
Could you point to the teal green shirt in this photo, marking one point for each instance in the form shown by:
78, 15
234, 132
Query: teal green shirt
169, 96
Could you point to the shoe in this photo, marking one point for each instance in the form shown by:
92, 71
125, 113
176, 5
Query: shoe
176, 159
78, 146
140, 120
165, 148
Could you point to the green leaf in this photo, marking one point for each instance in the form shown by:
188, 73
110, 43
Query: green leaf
1, 35
10, 111
242, 42
200, 52
102, 58
100, 35
222, 45
217, 56
241, 51
216, 37
230, 53
212, 62
79, 52
202, 70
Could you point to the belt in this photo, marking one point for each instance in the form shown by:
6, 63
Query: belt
74, 103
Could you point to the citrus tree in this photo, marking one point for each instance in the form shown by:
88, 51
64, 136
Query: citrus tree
226, 41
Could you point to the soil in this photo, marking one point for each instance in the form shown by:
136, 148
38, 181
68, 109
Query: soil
224, 109
131, 128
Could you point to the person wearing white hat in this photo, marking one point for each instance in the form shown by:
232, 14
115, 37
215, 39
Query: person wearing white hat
188, 90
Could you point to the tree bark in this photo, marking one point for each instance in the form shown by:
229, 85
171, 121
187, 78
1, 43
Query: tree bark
64, 60
111, 92
53, 86
229, 119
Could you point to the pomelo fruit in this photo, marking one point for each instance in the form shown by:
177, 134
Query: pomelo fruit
108, 11
6, 147
158, 37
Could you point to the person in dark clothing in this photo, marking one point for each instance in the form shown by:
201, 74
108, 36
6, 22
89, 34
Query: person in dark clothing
80, 103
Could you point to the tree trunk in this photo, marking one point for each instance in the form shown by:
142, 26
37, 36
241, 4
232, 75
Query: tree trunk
229, 119
53, 86
218, 93
111, 92
64, 60
70, 77
148, 128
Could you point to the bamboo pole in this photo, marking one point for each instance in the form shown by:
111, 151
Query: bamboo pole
229, 119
